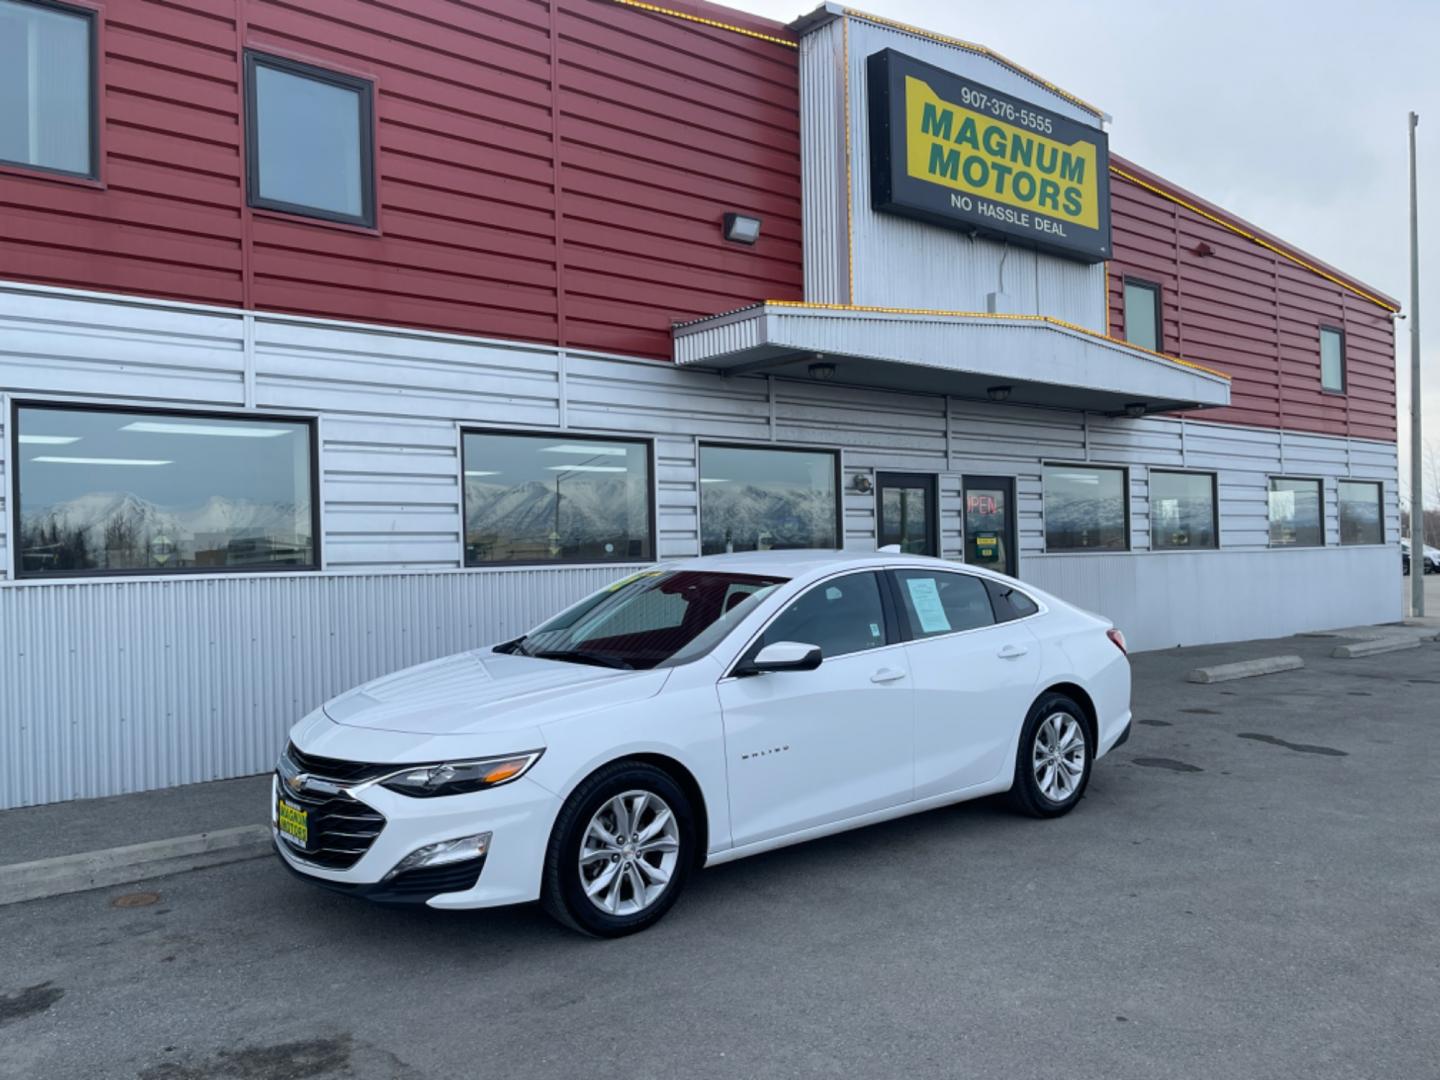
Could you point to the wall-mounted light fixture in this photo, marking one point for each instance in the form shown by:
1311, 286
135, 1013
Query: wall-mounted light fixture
863, 485
999, 393
1135, 409
741, 229
824, 370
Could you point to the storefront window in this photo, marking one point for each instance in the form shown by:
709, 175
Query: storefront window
1361, 513
107, 491
1296, 516
1182, 511
759, 499
555, 498
1085, 509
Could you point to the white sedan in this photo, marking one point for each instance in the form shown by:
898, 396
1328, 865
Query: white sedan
692, 714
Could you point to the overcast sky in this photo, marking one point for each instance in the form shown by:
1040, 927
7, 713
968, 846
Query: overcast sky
1290, 114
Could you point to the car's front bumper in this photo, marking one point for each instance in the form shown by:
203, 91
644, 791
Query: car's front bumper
518, 815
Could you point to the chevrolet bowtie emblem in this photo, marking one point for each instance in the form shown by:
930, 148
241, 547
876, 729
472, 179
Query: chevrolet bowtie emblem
296, 783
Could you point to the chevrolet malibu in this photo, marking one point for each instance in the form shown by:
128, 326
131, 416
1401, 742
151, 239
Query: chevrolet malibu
693, 714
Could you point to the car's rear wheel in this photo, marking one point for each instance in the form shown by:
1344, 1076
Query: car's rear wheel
620, 852
1052, 765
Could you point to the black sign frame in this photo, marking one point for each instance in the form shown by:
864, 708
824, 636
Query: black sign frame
894, 191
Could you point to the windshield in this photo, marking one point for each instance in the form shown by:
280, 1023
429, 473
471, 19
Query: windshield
657, 618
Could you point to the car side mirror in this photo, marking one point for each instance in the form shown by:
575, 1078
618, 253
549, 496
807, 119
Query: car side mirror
784, 656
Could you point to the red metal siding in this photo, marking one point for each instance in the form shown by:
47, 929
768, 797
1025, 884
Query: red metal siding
555, 172
1254, 314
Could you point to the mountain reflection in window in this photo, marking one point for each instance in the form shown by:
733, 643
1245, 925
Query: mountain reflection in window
110, 491
555, 498
758, 499
1084, 509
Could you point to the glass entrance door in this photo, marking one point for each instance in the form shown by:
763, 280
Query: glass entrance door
908, 509
989, 503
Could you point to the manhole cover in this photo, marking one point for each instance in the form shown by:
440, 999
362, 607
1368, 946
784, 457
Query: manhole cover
135, 899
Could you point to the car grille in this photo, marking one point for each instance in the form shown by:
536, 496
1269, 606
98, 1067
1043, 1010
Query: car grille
341, 828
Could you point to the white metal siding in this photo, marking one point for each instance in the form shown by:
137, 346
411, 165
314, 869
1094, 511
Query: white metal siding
112, 685
125, 685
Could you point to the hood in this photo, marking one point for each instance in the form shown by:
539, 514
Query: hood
482, 691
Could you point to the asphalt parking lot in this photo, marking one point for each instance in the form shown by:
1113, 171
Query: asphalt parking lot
1249, 890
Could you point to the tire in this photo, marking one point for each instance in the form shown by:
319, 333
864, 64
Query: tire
620, 907
1051, 713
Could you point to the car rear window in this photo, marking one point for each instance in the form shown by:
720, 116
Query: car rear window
1010, 603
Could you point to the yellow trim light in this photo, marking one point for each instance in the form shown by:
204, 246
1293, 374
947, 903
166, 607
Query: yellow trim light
1006, 316
658, 10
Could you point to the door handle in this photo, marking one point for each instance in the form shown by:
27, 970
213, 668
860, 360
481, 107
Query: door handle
1012, 652
886, 674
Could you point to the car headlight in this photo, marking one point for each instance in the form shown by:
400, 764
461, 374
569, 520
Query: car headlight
460, 777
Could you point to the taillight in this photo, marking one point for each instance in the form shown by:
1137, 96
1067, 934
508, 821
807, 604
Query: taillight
1118, 638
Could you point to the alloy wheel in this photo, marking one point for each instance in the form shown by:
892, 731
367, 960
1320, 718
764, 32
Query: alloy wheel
628, 853
1059, 756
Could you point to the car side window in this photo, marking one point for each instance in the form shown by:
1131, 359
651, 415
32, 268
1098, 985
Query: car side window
842, 615
943, 603
1009, 602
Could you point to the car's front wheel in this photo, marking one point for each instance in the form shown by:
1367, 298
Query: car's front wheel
1052, 766
620, 852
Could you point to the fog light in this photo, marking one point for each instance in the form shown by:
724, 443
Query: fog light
442, 853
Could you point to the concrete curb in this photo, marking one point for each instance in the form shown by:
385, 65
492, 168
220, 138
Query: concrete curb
1374, 647
123, 865
1245, 669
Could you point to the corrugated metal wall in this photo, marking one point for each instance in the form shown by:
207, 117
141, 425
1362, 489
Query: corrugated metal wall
1254, 314
108, 685
546, 170
117, 686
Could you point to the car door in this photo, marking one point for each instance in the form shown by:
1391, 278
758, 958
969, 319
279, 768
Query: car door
805, 748
974, 677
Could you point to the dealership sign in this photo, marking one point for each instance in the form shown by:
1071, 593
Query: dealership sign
947, 150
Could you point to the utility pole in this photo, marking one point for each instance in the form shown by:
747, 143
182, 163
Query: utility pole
1417, 486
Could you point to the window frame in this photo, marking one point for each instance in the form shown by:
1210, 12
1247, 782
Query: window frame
575, 436
1156, 291
1339, 331
311, 422
93, 14
1124, 471
365, 88
1379, 486
1319, 482
834, 451
1214, 508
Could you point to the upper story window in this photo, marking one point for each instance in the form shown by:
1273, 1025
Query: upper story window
309, 141
47, 87
1332, 359
105, 490
1142, 314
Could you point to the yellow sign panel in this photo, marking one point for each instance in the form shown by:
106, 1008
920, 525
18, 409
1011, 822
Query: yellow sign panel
965, 149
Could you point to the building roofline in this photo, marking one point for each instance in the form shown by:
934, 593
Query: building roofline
1166, 189
719, 17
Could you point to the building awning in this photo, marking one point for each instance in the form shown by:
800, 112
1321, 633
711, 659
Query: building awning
1025, 359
